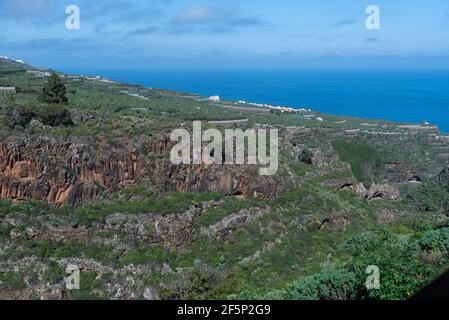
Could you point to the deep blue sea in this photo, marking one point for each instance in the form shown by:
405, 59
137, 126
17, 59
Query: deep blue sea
404, 96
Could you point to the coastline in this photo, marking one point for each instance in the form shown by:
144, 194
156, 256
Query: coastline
241, 104
393, 110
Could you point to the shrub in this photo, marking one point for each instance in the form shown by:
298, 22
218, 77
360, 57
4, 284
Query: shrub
361, 244
365, 160
206, 283
55, 116
435, 240
17, 116
14, 280
331, 284
430, 196
174, 203
53, 91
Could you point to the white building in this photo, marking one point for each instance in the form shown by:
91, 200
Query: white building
8, 90
214, 99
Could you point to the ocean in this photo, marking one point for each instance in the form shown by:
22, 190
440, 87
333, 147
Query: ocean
403, 96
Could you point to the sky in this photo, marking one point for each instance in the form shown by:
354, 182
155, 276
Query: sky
227, 34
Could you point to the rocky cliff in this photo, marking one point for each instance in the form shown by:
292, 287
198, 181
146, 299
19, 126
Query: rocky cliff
72, 172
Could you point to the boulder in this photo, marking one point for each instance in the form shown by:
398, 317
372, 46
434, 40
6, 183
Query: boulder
381, 191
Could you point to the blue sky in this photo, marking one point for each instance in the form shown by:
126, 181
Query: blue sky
326, 34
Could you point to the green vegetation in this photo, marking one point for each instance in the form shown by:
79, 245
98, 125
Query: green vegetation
365, 160
13, 116
174, 203
13, 280
54, 116
306, 264
435, 240
405, 264
432, 196
308, 241
20, 117
54, 90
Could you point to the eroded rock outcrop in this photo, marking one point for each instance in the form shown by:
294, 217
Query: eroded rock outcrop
337, 221
378, 191
375, 191
227, 225
172, 231
61, 171
72, 172
227, 180
348, 183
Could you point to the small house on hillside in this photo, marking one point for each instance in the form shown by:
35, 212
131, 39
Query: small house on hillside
11, 90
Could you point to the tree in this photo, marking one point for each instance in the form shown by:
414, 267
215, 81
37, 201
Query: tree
54, 90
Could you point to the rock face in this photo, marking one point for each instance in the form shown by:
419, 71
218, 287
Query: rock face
235, 180
335, 221
378, 191
225, 227
341, 184
62, 233
171, 231
71, 172
375, 191
61, 172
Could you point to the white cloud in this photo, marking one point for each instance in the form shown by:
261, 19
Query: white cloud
197, 14
215, 19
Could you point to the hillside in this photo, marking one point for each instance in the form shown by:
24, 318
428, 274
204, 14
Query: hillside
90, 183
